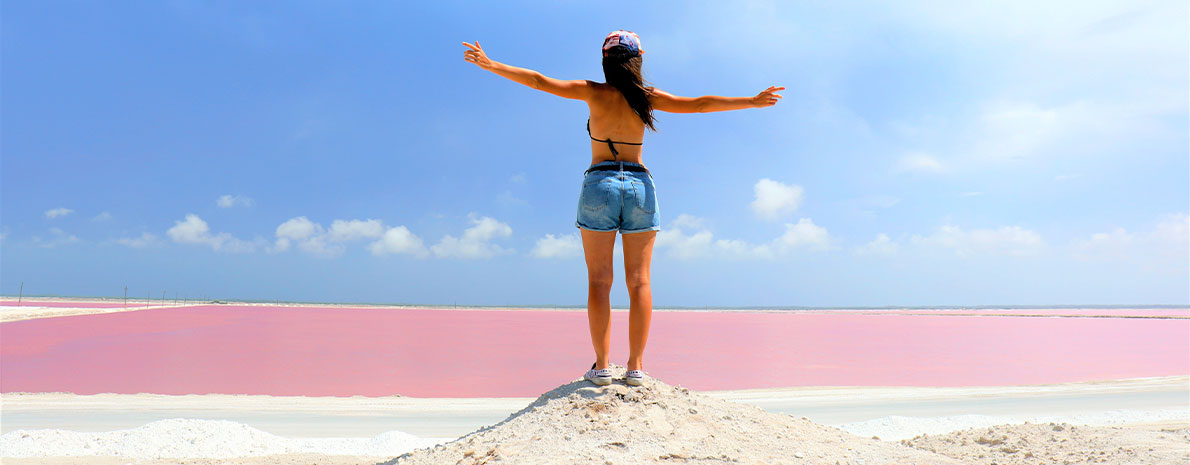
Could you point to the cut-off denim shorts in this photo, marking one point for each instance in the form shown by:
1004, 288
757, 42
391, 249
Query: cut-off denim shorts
618, 200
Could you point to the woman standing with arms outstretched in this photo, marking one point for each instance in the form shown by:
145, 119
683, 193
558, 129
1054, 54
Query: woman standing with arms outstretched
618, 192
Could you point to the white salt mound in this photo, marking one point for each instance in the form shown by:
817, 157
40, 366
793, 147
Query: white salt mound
1034, 443
583, 423
896, 427
190, 438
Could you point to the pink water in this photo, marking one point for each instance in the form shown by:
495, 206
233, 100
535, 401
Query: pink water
494, 353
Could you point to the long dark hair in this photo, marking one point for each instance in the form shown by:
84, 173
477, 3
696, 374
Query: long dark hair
621, 68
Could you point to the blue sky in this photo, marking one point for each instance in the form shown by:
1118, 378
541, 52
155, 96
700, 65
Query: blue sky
967, 154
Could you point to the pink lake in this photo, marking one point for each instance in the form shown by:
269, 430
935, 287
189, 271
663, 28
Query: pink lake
511, 353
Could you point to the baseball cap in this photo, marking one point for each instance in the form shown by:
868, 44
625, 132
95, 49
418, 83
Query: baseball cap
621, 37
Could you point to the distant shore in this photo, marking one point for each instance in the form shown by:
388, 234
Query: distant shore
47, 307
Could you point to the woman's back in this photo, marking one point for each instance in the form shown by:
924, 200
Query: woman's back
612, 118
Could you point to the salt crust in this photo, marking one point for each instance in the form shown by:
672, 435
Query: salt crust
191, 438
656, 423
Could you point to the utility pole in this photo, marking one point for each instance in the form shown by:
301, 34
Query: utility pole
21, 294
125, 297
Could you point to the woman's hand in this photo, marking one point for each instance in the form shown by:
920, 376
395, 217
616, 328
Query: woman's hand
766, 98
476, 55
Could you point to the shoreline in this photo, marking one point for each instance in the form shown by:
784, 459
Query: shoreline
358, 429
29, 310
306, 416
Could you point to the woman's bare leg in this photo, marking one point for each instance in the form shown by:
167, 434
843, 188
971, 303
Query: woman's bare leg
638, 255
597, 248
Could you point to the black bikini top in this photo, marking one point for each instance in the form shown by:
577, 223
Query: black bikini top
608, 140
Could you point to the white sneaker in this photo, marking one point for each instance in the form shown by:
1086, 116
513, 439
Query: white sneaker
635, 377
602, 377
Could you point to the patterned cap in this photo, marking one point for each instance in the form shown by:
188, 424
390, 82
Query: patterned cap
621, 37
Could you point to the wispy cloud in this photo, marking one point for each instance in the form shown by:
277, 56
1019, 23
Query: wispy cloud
1165, 243
143, 241
1009, 240
57, 238
57, 212
881, 246
918, 162
229, 200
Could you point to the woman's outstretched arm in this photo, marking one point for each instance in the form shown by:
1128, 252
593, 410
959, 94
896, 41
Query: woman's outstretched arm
576, 89
666, 101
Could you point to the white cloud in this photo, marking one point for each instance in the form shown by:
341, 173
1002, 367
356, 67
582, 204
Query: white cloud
57, 238
689, 222
193, 230
1168, 242
298, 228
102, 216
971, 194
1067, 177
804, 234
398, 240
475, 242
145, 240
882, 246
775, 200
550, 246
355, 229
689, 238
57, 212
312, 238
228, 201
918, 162
1011, 240
309, 236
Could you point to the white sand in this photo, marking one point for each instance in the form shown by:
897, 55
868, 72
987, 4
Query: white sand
650, 422
30, 311
199, 438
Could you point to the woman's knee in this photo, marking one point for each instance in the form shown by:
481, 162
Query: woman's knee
637, 281
600, 281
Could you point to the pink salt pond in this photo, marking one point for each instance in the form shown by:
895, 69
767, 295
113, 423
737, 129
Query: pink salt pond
316, 351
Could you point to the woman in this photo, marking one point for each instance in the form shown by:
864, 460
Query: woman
618, 192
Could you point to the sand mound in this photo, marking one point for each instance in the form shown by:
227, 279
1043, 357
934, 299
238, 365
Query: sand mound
580, 422
1060, 443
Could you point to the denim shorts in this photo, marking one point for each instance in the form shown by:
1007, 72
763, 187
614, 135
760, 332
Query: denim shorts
618, 200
